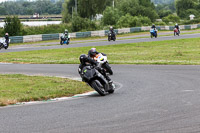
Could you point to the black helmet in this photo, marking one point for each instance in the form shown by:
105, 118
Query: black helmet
83, 58
93, 51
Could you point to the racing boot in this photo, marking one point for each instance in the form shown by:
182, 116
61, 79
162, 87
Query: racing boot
110, 82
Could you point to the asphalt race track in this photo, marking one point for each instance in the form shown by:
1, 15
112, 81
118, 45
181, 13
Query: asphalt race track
99, 43
148, 99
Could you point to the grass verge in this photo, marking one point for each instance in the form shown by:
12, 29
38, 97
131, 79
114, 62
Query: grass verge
21, 88
172, 52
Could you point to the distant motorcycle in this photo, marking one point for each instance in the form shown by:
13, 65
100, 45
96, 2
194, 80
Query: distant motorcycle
64, 40
96, 80
153, 33
111, 36
103, 62
3, 43
176, 32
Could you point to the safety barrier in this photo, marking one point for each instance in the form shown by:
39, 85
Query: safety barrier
34, 38
50, 37
16, 39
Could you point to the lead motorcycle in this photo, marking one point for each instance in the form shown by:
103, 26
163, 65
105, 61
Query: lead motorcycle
153, 33
103, 63
3, 43
96, 80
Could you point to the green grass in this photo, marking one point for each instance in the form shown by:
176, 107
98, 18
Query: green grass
183, 51
21, 88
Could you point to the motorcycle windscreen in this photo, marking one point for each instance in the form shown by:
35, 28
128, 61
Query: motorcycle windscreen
152, 30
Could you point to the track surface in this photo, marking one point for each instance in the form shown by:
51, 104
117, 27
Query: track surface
98, 43
149, 99
153, 99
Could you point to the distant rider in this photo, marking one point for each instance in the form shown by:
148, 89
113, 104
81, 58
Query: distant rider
177, 27
154, 27
65, 35
85, 60
7, 38
111, 30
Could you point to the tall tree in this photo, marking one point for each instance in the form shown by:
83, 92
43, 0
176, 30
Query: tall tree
86, 8
89, 8
138, 8
187, 7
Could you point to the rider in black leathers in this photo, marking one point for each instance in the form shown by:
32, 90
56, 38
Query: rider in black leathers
7, 38
85, 60
111, 30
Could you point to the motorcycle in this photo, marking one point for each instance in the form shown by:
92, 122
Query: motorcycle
3, 43
153, 33
111, 36
176, 32
96, 80
103, 63
64, 40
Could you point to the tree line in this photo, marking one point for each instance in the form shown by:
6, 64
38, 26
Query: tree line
80, 15
118, 13
29, 8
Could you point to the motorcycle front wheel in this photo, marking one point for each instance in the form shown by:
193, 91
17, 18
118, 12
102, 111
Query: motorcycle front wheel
61, 42
98, 87
108, 68
109, 38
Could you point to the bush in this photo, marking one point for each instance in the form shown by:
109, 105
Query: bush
82, 24
110, 16
1, 32
194, 21
47, 29
171, 18
164, 13
13, 26
145, 21
160, 23
130, 21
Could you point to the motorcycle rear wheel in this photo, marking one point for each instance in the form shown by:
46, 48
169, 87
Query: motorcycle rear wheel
98, 88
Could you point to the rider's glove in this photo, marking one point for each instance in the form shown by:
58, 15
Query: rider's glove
99, 68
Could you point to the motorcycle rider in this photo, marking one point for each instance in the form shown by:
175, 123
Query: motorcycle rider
177, 27
154, 27
93, 52
85, 60
65, 35
111, 30
7, 38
